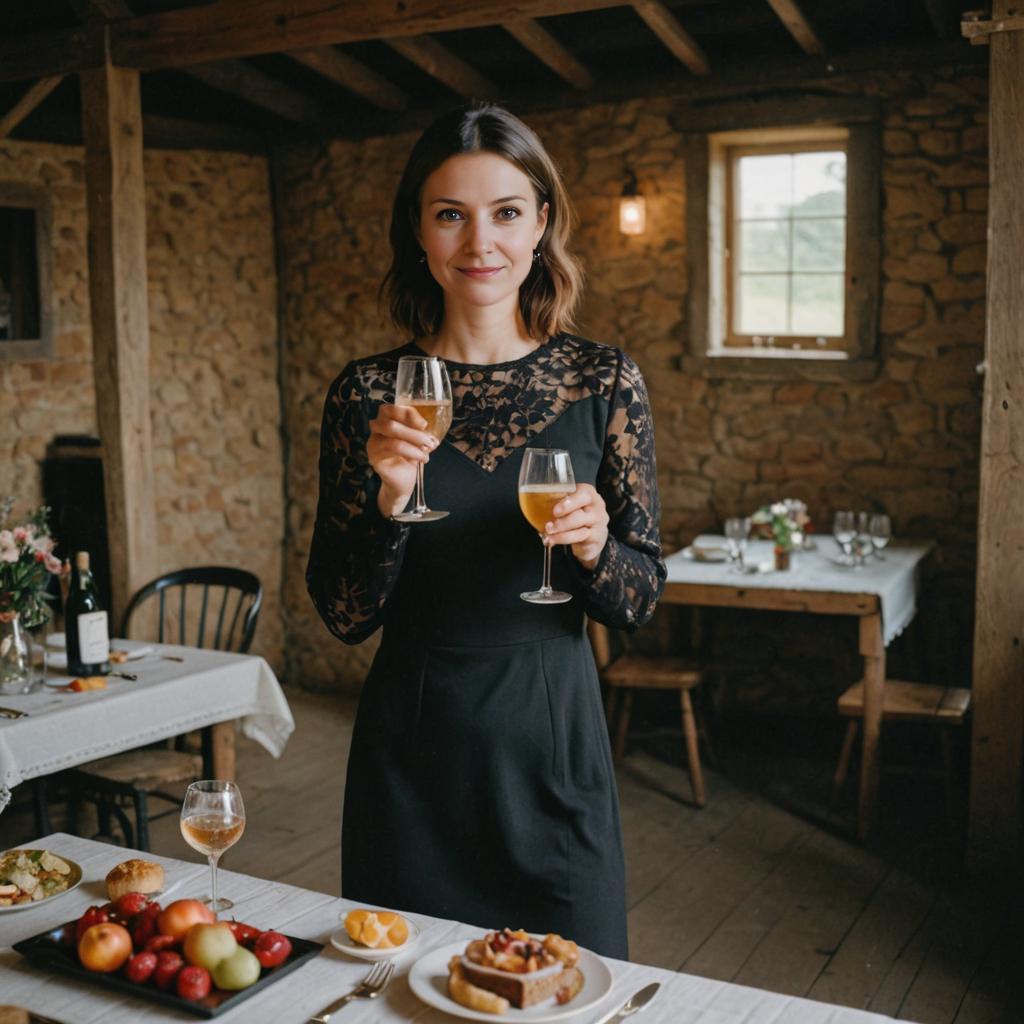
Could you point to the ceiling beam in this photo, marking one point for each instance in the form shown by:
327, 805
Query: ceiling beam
664, 24
100, 10
351, 75
799, 27
28, 103
440, 63
239, 28
261, 90
547, 49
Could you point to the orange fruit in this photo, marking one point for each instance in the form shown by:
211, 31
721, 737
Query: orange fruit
396, 926
354, 923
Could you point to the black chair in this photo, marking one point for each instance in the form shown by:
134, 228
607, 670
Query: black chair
225, 619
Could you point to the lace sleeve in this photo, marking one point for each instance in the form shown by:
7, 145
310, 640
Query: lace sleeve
356, 553
628, 579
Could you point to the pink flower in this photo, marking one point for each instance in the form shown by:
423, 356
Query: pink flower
42, 543
52, 564
8, 548
23, 533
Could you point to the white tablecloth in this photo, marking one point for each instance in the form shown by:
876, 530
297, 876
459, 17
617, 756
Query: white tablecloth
682, 999
894, 581
64, 729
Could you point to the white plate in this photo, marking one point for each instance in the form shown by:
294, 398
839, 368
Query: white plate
705, 554
341, 940
76, 877
59, 659
428, 978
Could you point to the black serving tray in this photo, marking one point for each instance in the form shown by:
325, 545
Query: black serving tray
47, 950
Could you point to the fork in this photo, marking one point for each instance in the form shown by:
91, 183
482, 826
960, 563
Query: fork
369, 988
12, 713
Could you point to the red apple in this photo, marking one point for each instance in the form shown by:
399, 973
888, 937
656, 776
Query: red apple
193, 983
140, 967
104, 947
179, 916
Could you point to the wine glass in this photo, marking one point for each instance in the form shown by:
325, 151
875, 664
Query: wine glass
844, 530
736, 533
212, 820
545, 478
863, 542
423, 383
881, 534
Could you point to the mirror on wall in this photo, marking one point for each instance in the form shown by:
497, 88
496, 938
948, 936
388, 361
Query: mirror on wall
26, 329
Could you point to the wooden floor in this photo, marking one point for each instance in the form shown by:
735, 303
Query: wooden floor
742, 890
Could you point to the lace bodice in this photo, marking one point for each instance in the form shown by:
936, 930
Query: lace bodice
356, 554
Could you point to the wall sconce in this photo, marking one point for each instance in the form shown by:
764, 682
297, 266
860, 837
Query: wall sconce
632, 208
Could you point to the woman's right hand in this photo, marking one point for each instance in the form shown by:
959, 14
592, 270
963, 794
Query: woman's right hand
397, 444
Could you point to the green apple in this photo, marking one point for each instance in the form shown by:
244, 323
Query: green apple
239, 970
207, 944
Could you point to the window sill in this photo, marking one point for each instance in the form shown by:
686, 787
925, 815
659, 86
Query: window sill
769, 364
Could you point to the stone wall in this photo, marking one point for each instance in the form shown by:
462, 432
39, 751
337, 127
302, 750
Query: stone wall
906, 442
216, 407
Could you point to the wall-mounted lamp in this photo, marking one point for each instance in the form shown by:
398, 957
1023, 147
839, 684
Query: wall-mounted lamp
632, 208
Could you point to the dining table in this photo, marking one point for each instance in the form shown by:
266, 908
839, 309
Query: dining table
880, 592
332, 972
175, 689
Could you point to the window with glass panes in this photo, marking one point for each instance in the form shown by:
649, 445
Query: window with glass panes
786, 236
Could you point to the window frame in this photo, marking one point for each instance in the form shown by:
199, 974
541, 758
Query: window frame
769, 142
22, 196
706, 354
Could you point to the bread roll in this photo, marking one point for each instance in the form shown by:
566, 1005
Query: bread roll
134, 876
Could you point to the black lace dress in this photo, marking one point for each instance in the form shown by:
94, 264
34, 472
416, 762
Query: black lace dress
480, 784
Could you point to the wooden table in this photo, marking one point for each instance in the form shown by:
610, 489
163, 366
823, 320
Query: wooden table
168, 698
682, 999
816, 584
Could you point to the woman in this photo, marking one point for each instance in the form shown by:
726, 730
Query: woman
480, 784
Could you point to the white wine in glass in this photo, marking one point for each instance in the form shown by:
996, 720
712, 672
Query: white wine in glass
212, 821
423, 383
544, 480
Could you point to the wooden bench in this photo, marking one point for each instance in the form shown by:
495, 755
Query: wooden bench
628, 672
945, 706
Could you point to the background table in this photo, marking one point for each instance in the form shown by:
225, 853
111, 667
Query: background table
881, 594
207, 687
683, 998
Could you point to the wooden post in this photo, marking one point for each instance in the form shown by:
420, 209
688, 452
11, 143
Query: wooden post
872, 649
998, 684
112, 129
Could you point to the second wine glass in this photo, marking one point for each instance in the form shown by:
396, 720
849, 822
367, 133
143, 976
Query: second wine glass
423, 383
212, 821
545, 478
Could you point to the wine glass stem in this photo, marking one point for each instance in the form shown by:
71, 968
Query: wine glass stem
546, 585
420, 503
212, 858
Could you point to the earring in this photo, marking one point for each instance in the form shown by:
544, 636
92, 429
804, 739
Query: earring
536, 255
423, 258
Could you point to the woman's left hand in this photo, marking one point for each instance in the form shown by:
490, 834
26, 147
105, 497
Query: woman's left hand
581, 521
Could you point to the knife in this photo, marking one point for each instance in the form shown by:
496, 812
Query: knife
634, 1004
12, 713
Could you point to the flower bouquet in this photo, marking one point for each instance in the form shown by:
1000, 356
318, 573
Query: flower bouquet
785, 523
26, 564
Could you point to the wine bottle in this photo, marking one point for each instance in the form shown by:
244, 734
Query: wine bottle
85, 623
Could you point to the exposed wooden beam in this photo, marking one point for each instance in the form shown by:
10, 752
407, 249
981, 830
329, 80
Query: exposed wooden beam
998, 669
978, 29
547, 49
116, 204
440, 63
350, 74
100, 10
260, 89
799, 27
27, 104
45, 54
664, 24
238, 28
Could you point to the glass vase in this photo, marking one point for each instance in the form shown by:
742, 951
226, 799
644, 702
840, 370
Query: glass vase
15, 662
783, 558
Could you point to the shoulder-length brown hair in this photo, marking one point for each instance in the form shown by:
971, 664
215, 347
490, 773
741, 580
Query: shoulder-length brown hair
549, 295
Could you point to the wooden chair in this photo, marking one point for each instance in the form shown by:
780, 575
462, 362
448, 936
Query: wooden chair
229, 606
945, 706
628, 672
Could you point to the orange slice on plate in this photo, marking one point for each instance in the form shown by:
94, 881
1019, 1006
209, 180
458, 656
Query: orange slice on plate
383, 930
